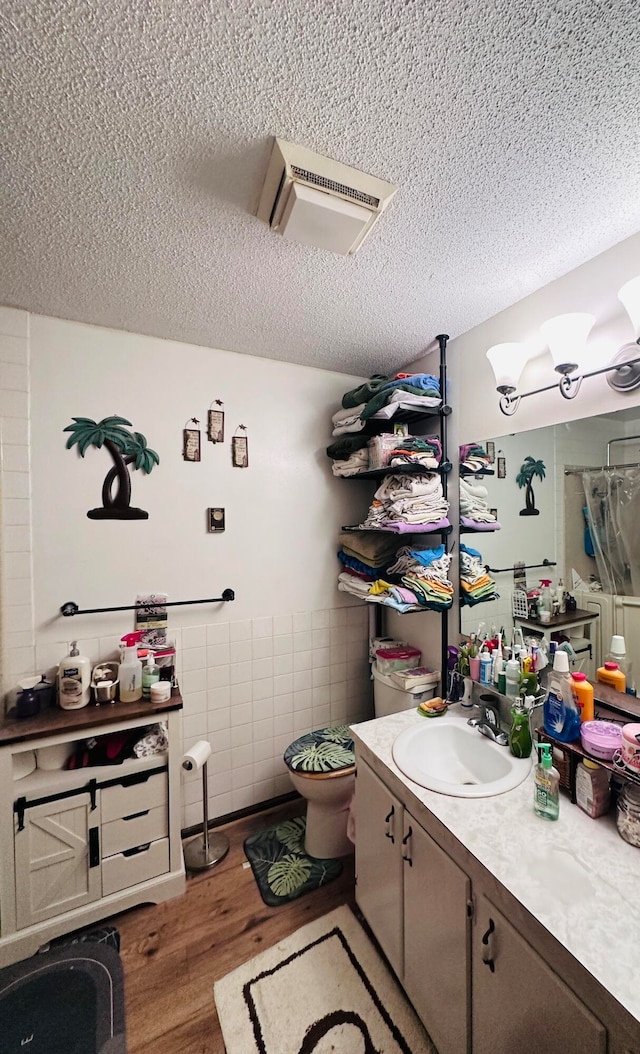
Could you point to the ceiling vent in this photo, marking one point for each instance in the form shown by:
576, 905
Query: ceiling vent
314, 200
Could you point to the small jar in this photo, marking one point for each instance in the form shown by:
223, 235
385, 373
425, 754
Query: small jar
628, 814
160, 691
593, 794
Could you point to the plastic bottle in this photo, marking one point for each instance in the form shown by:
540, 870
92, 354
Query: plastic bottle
618, 654
583, 694
74, 680
593, 792
610, 674
520, 743
559, 597
561, 712
512, 678
545, 603
130, 675
485, 667
150, 674
546, 795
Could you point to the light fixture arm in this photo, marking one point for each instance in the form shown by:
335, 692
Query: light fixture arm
569, 385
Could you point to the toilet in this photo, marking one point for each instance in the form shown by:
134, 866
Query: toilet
322, 769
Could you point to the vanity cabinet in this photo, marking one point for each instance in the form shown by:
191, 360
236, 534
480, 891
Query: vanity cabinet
80, 845
477, 985
519, 1003
416, 901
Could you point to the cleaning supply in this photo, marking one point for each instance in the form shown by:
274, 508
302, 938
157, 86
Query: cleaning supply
74, 680
611, 674
485, 667
512, 679
618, 654
546, 794
561, 712
130, 673
593, 792
150, 674
583, 694
520, 743
559, 600
545, 601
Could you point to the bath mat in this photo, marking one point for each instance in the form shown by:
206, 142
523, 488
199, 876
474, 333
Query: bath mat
280, 865
323, 988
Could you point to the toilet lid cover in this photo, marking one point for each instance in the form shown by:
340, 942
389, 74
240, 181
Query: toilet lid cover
326, 750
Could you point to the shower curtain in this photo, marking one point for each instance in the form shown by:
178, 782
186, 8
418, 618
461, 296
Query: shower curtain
612, 503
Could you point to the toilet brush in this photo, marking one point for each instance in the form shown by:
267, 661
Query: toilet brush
204, 850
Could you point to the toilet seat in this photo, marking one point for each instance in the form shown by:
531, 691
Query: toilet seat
323, 754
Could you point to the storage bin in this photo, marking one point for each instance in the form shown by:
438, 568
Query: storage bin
390, 659
381, 447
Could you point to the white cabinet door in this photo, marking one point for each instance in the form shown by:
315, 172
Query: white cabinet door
379, 863
437, 939
55, 870
519, 1003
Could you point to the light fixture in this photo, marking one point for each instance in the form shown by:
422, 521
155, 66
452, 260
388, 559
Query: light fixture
566, 336
508, 361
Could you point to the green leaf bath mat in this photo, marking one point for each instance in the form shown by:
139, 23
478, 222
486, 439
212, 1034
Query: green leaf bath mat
280, 865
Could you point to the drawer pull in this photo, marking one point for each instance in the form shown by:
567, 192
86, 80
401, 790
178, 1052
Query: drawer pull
137, 849
94, 847
487, 940
137, 815
389, 820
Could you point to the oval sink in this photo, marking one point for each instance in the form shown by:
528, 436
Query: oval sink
447, 755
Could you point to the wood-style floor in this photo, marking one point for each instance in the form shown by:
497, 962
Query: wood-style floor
173, 952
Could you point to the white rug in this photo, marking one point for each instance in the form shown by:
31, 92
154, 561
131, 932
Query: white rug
324, 988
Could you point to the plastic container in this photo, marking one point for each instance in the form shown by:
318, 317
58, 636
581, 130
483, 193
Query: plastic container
630, 747
546, 793
601, 739
593, 792
388, 698
390, 659
417, 677
485, 668
561, 713
611, 674
520, 743
54, 757
160, 691
628, 814
583, 694
74, 680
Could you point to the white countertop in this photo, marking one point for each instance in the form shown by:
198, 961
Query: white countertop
575, 875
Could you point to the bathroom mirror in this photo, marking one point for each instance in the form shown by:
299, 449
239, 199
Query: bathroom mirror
550, 523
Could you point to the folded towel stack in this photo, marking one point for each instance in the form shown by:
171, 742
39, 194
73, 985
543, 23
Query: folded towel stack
474, 457
381, 397
424, 577
476, 585
474, 507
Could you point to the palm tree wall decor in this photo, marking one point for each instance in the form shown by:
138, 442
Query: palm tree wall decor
530, 468
126, 448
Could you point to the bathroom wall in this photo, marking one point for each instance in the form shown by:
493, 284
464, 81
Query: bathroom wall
289, 653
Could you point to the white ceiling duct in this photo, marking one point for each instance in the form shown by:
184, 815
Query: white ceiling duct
314, 200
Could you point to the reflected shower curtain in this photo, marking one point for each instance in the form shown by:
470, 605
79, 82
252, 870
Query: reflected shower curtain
612, 500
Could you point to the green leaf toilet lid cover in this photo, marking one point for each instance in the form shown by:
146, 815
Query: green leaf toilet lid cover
326, 750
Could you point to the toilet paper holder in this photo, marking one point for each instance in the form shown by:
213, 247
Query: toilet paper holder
205, 850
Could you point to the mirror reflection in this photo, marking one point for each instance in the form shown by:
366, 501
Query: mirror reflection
563, 500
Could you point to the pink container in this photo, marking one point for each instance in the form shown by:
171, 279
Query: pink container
601, 739
630, 746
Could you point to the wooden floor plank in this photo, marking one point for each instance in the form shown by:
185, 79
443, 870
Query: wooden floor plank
173, 952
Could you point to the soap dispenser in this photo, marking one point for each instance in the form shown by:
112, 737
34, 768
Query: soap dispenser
74, 680
150, 674
520, 743
546, 795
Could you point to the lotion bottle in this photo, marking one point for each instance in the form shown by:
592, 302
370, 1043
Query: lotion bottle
74, 680
150, 674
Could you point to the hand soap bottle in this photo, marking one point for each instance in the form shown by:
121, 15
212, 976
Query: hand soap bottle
546, 796
150, 674
520, 743
74, 680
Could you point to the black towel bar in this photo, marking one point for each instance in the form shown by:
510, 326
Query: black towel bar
70, 608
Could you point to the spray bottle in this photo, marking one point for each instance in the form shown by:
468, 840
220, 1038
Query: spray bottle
130, 669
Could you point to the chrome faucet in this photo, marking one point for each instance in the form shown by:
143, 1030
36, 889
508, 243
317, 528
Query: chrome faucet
488, 722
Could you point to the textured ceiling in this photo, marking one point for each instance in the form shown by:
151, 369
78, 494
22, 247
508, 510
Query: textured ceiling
137, 135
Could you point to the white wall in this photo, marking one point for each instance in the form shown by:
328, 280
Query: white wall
289, 654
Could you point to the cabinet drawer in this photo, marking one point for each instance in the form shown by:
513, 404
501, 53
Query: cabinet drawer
124, 870
143, 826
127, 798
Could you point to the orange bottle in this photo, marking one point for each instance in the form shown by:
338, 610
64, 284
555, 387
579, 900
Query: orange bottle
611, 674
583, 695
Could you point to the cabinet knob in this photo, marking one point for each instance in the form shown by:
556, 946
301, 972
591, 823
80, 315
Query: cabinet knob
388, 820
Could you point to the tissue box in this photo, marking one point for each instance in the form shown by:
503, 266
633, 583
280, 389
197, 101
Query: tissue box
417, 677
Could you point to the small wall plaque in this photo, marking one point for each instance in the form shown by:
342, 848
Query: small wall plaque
240, 450
502, 467
215, 423
191, 441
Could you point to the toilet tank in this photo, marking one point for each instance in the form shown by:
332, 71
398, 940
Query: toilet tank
388, 698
